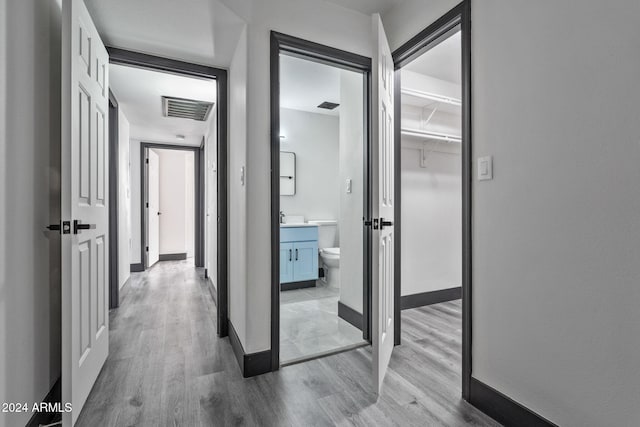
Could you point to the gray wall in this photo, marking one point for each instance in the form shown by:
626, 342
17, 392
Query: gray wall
556, 233
315, 140
29, 201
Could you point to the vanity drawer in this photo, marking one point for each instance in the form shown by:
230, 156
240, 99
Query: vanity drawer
298, 234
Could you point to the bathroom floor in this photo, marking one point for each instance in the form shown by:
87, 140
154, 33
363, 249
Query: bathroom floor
310, 326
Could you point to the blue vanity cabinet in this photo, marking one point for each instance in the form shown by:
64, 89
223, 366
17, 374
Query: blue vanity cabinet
298, 254
286, 262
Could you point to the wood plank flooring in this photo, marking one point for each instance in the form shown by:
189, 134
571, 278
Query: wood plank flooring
167, 367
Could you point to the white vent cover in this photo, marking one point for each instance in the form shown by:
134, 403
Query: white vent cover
186, 108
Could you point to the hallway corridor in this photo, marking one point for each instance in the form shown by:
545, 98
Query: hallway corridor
167, 367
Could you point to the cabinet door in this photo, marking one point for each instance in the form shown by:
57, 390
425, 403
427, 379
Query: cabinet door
305, 264
286, 262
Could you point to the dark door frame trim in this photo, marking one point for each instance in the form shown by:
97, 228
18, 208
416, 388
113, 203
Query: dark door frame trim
458, 18
114, 148
293, 46
156, 63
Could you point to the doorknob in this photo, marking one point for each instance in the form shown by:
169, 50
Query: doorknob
64, 227
77, 225
384, 223
53, 227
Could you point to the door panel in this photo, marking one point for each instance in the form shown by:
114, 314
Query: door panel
85, 326
382, 169
153, 210
305, 266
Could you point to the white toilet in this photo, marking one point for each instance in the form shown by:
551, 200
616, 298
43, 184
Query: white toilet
329, 251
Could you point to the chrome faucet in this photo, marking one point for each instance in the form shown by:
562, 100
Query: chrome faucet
281, 217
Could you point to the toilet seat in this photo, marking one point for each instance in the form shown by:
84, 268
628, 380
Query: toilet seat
331, 252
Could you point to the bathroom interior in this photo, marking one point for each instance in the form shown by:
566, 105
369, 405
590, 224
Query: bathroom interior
321, 203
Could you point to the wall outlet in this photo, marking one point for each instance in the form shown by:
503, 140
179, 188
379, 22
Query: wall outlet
349, 185
485, 168
242, 176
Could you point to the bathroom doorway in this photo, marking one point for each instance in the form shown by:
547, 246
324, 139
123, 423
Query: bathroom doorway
321, 292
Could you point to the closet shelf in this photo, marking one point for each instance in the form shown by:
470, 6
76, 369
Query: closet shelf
432, 96
431, 135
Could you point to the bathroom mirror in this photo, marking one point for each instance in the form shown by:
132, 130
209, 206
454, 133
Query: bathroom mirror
287, 173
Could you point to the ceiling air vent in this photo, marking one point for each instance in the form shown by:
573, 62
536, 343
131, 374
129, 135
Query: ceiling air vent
186, 108
328, 105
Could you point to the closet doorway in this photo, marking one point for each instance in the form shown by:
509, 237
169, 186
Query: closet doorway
433, 193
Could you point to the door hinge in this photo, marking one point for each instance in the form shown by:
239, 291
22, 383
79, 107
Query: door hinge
146, 161
147, 205
146, 248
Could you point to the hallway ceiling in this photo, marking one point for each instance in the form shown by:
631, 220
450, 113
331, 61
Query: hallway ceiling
139, 93
443, 62
199, 31
367, 7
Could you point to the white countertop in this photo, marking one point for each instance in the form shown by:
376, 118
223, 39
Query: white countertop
299, 224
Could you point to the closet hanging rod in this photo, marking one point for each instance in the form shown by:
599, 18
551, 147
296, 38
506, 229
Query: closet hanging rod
431, 135
432, 96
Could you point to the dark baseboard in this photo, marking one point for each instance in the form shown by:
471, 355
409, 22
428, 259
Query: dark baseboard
428, 298
502, 408
44, 418
350, 315
297, 285
136, 268
172, 257
250, 364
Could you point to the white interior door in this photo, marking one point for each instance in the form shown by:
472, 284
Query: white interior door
153, 210
85, 177
383, 203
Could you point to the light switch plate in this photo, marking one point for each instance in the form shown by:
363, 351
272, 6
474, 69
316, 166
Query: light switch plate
485, 168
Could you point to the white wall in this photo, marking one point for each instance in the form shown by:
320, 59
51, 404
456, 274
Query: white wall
176, 204
124, 201
136, 195
211, 189
29, 201
317, 21
431, 243
351, 204
315, 140
556, 271
189, 203
237, 191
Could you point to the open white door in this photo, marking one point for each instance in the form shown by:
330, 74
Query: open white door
85, 208
383, 203
153, 208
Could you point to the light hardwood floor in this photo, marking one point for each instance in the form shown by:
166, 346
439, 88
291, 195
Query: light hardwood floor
167, 367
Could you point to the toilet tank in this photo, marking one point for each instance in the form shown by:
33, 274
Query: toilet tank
327, 233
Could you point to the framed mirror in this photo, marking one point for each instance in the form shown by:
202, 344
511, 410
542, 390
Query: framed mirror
287, 173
